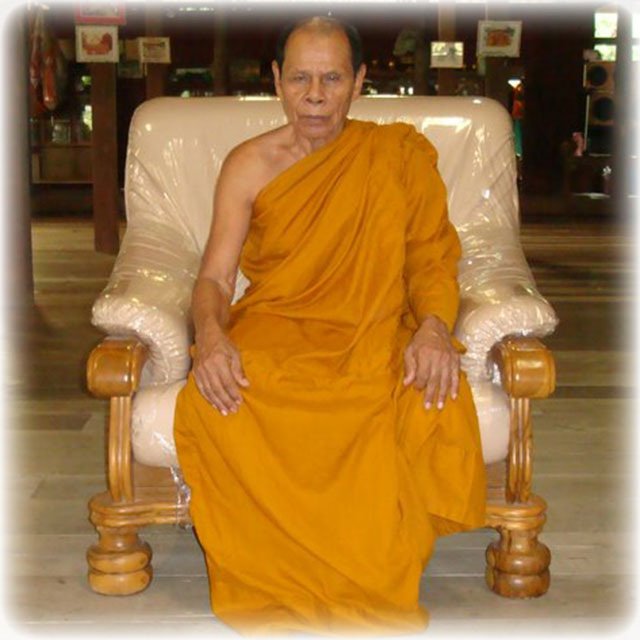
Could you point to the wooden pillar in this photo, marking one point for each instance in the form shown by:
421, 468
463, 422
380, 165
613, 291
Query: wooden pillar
220, 54
156, 76
105, 157
447, 80
420, 62
622, 154
18, 266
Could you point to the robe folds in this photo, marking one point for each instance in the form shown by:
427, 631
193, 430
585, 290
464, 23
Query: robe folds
318, 503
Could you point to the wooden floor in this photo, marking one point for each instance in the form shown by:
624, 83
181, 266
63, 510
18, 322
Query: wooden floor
55, 461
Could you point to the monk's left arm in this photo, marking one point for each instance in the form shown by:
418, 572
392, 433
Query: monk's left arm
432, 243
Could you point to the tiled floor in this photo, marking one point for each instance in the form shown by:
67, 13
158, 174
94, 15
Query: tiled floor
54, 438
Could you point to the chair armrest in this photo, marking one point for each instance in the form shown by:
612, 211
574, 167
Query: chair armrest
526, 370
114, 370
498, 296
524, 367
148, 298
114, 367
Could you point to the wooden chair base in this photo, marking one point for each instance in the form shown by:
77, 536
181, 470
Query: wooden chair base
120, 564
518, 563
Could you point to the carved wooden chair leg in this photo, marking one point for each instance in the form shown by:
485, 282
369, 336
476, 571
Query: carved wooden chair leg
120, 563
518, 563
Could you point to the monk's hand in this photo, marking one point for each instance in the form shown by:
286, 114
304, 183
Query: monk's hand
432, 362
217, 369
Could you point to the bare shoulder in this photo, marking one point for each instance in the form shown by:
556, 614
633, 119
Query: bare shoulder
252, 163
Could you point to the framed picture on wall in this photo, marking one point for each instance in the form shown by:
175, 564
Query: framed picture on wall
499, 38
97, 43
447, 55
100, 13
154, 50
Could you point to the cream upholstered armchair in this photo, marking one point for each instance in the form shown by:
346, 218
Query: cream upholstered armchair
175, 150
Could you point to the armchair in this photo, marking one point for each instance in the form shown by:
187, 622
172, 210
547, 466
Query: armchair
175, 151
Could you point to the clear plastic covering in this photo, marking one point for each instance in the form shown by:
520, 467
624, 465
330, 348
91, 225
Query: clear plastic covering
474, 139
148, 296
176, 147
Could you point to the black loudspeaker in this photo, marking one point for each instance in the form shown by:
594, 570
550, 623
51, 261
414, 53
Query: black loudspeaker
601, 108
599, 76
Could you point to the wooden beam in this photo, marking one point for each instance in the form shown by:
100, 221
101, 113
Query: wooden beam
624, 100
220, 54
421, 61
18, 268
156, 76
105, 157
447, 79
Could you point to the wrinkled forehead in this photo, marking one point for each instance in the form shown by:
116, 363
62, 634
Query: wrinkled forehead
307, 49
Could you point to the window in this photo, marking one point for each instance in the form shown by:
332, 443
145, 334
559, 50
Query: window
605, 33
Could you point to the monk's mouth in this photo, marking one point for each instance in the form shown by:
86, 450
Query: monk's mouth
314, 119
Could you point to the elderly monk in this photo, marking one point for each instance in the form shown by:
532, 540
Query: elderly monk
325, 431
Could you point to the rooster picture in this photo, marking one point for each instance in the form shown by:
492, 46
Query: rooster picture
99, 44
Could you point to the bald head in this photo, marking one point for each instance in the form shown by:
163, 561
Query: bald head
321, 25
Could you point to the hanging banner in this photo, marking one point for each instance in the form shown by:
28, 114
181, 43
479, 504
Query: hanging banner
100, 13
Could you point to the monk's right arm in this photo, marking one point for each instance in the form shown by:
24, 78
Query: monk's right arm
232, 207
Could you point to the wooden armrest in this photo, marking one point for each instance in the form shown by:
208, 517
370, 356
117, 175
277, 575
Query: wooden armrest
114, 367
527, 368
113, 371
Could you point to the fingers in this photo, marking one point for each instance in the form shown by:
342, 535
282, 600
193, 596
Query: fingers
455, 377
217, 382
409, 367
444, 386
440, 376
238, 372
433, 377
227, 391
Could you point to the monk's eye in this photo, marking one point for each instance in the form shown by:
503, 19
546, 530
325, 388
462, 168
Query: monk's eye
299, 77
332, 77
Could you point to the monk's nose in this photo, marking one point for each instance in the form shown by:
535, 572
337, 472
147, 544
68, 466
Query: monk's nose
315, 94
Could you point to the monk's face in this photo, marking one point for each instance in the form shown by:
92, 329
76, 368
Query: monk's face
317, 84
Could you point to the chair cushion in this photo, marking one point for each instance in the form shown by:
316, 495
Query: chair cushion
153, 410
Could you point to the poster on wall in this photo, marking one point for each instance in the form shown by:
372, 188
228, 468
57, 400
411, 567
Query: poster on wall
97, 43
499, 38
154, 50
100, 13
447, 55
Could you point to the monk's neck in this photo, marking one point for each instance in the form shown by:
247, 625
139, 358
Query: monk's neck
302, 145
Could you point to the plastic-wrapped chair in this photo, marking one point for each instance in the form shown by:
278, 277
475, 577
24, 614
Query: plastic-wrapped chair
175, 150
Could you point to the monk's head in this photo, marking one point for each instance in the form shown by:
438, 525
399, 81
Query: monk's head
318, 72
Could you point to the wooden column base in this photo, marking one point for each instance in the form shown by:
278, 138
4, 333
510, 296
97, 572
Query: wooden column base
120, 563
518, 563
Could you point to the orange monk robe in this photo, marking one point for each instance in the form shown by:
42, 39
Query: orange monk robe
318, 503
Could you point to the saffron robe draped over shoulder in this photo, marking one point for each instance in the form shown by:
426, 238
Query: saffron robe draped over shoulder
318, 503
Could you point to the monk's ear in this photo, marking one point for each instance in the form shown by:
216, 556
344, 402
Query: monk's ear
276, 78
357, 87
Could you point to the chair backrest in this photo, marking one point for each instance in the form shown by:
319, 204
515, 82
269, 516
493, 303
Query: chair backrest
176, 147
